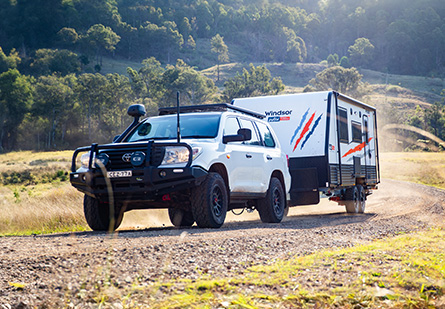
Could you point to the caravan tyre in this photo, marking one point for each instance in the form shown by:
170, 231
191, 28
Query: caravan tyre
362, 199
210, 202
352, 200
99, 216
272, 207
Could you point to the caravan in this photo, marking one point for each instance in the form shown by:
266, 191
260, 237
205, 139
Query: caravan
331, 142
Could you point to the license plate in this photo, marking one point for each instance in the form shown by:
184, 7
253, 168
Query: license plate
119, 174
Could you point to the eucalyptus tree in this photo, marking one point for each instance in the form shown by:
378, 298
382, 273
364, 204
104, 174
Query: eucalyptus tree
16, 97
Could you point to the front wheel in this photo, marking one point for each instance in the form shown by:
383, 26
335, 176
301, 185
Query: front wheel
99, 215
210, 201
272, 207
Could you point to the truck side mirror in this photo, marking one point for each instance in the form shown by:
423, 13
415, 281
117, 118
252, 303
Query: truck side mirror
246, 133
243, 135
136, 110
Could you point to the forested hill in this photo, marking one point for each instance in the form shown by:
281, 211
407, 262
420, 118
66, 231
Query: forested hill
399, 36
54, 93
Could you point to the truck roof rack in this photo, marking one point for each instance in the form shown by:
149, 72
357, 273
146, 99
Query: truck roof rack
209, 108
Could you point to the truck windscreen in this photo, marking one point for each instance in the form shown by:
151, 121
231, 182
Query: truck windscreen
164, 127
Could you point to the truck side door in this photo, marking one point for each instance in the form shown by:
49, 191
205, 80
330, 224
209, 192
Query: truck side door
237, 161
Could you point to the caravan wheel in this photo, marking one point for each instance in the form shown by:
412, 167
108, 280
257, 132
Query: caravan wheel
362, 199
352, 200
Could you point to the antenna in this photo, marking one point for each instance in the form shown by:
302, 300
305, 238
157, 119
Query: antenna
178, 132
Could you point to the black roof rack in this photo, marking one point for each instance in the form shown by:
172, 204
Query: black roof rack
209, 108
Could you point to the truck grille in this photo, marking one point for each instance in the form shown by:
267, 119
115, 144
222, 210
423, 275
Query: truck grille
117, 162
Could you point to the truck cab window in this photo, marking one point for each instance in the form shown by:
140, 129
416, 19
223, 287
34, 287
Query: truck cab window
265, 135
249, 125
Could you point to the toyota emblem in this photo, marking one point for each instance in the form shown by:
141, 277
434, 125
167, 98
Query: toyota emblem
126, 157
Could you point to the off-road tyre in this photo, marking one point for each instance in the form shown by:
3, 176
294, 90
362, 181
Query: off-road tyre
352, 200
210, 201
272, 207
180, 218
98, 215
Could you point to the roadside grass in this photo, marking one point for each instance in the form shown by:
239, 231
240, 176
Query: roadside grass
426, 168
36, 196
407, 271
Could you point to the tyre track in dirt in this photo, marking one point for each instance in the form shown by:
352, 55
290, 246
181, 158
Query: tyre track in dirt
52, 267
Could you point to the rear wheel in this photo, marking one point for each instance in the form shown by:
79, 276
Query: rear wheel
99, 216
353, 200
180, 217
272, 207
210, 202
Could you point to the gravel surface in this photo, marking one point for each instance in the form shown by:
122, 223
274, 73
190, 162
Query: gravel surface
42, 270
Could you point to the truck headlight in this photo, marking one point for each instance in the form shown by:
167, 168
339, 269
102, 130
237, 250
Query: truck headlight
85, 159
175, 155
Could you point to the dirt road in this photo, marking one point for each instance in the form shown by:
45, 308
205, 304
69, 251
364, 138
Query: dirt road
45, 270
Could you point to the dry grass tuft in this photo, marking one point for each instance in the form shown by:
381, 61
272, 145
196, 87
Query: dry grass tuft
35, 195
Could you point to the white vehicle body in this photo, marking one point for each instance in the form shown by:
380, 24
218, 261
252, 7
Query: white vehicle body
249, 166
198, 164
330, 139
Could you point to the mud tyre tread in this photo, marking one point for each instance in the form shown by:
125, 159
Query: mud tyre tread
210, 202
97, 215
272, 208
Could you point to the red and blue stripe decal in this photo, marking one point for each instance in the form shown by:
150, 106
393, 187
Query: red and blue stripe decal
306, 125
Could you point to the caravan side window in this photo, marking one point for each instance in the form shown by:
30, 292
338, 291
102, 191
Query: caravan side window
343, 120
356, 132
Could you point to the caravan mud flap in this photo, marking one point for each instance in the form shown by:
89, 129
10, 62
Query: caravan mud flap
304, 187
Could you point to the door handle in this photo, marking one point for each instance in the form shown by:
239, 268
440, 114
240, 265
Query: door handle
268, 157
248, 155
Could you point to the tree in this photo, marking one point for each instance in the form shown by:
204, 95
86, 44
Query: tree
220, 48
118, 96
335, 78
256, 81
332, 60
9, 62
361, 52
344, 62
435, 119
193, 86
48, 61
68, 37
16, 95
101, 39
54, 99
147, 82
91, 91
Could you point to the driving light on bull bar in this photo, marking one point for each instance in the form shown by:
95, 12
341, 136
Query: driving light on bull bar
103, 159
176, 155
137, 158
